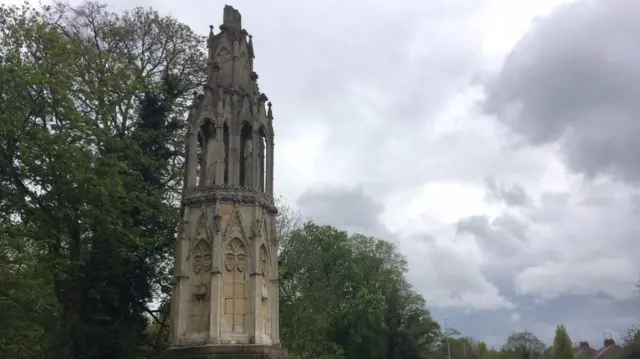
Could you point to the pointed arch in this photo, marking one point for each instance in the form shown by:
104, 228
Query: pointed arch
235, 226
200, 159
223, 55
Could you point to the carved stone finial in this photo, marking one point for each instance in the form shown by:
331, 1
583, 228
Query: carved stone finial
269, 111
210, 39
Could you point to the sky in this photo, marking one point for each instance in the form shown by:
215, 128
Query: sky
493, 141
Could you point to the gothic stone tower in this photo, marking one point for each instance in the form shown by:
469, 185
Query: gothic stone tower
225, 299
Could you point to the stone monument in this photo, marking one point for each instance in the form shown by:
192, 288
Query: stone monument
225, 298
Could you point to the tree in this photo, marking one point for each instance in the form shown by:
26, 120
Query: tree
524, 344
346, 297
90, 156
482, 350
562, 347
631, 343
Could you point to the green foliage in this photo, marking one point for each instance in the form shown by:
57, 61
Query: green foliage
89, 165
346, 297
482, 350
562, 346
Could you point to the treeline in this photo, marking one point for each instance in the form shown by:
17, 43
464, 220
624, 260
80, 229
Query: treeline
526, 345
92, 108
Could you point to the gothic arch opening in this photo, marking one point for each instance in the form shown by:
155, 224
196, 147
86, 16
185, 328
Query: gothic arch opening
246, 155
225, 140
200, 161
262, 159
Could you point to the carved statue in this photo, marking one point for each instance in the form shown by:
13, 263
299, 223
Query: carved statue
248, 162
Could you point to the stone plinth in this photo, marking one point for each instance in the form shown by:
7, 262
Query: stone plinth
246, 351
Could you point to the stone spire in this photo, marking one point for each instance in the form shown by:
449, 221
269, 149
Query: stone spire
226, 289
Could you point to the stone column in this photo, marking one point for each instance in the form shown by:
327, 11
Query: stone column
254, 292
261, 166
274, 295
180, 295
192, 159
215, 319
269, 168
255, 172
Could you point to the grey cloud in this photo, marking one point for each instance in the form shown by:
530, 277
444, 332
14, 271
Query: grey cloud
502, 236
510, 194
574, 80
346, 208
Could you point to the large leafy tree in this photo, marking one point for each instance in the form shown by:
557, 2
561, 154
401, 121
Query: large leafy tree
89, 172
562, 346
346, 297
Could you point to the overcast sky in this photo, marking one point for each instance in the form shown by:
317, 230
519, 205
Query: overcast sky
494, 140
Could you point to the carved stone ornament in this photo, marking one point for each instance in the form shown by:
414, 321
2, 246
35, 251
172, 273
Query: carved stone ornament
200, 292
235, 223
240, 262
229, 261
223, 56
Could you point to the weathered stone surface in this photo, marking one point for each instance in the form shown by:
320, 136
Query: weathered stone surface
228, 352
225, 297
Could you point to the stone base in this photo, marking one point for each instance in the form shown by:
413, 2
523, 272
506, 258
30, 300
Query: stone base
245, 351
